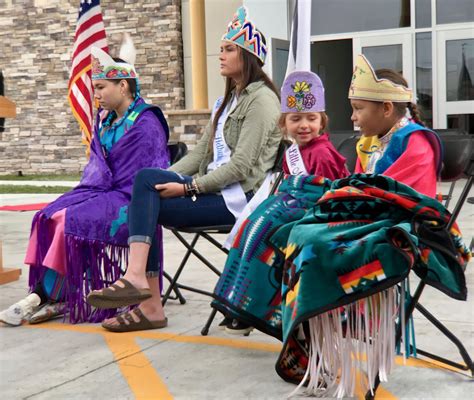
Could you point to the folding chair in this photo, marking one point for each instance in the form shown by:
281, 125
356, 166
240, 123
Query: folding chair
337, 137
206, 232
451, 167
347, 148
457, 148
176, 150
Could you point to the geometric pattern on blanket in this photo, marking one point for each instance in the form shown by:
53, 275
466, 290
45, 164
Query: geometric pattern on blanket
249, 287
362, 237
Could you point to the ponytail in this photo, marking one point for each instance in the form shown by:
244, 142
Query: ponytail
415, 113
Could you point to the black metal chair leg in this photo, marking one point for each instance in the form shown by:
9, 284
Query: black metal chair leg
191, 248
370, 396
460, 203
180, 269
205, 330
177, 292
462, 350
450, 194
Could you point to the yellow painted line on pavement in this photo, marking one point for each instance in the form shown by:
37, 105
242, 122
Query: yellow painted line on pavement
422, 363
219, 341
381, 394
209, 340
69, 327
214, 341
136, 368
143, 379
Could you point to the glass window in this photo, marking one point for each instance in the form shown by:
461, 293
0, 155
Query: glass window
389, 56
424, 77
337, 16
461, 122
451, 11
423, 13
279, 67
459, 70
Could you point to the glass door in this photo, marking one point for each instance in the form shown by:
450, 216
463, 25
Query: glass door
387, 51
455, 80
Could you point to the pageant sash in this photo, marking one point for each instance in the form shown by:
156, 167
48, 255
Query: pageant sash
262, 193
294, 160
234, 196
295, 163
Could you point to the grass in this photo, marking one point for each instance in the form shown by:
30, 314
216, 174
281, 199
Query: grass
16, 189
64, 177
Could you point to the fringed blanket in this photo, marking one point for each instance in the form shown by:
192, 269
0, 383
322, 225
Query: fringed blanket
96, 213
249, 287
342, 260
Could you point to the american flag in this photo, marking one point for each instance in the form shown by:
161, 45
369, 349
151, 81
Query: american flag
90, 31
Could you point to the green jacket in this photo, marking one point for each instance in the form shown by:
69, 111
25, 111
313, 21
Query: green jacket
251, 131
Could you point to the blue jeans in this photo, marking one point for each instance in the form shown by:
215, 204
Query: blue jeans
147, 209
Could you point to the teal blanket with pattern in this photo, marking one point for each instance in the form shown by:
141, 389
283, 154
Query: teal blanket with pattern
364, 235
249, 287
318, 244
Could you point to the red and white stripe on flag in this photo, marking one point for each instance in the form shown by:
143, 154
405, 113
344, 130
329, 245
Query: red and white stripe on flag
90, 31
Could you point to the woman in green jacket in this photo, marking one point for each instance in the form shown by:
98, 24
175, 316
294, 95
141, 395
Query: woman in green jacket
211, 185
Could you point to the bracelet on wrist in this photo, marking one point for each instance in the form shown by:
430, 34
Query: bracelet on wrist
196, 187
190, 190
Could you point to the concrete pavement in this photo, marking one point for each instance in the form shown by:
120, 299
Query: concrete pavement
59, 361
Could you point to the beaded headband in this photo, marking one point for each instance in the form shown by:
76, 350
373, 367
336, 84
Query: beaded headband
104, 67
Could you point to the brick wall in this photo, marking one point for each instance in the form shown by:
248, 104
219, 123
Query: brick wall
36, 38
187, 125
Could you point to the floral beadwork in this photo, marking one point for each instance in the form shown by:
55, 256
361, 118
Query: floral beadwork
117, 72
302, 91
104, 67
303, 98
291, 101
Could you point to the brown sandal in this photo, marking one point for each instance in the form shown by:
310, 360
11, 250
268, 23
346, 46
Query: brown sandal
143, 323
120, 297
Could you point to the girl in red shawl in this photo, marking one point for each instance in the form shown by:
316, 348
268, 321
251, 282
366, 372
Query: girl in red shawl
392, 144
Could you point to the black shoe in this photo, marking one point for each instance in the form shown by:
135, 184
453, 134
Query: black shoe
237, 327
226, 321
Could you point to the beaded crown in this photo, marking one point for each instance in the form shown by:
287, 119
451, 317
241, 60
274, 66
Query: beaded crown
242, 32
366, 86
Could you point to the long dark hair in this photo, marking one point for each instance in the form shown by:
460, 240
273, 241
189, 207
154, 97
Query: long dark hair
400, 108
251, 72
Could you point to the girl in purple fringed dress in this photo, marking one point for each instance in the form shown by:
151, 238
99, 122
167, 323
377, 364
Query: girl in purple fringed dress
79, 241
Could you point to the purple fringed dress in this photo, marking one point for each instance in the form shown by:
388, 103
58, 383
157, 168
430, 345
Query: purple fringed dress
95, 226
